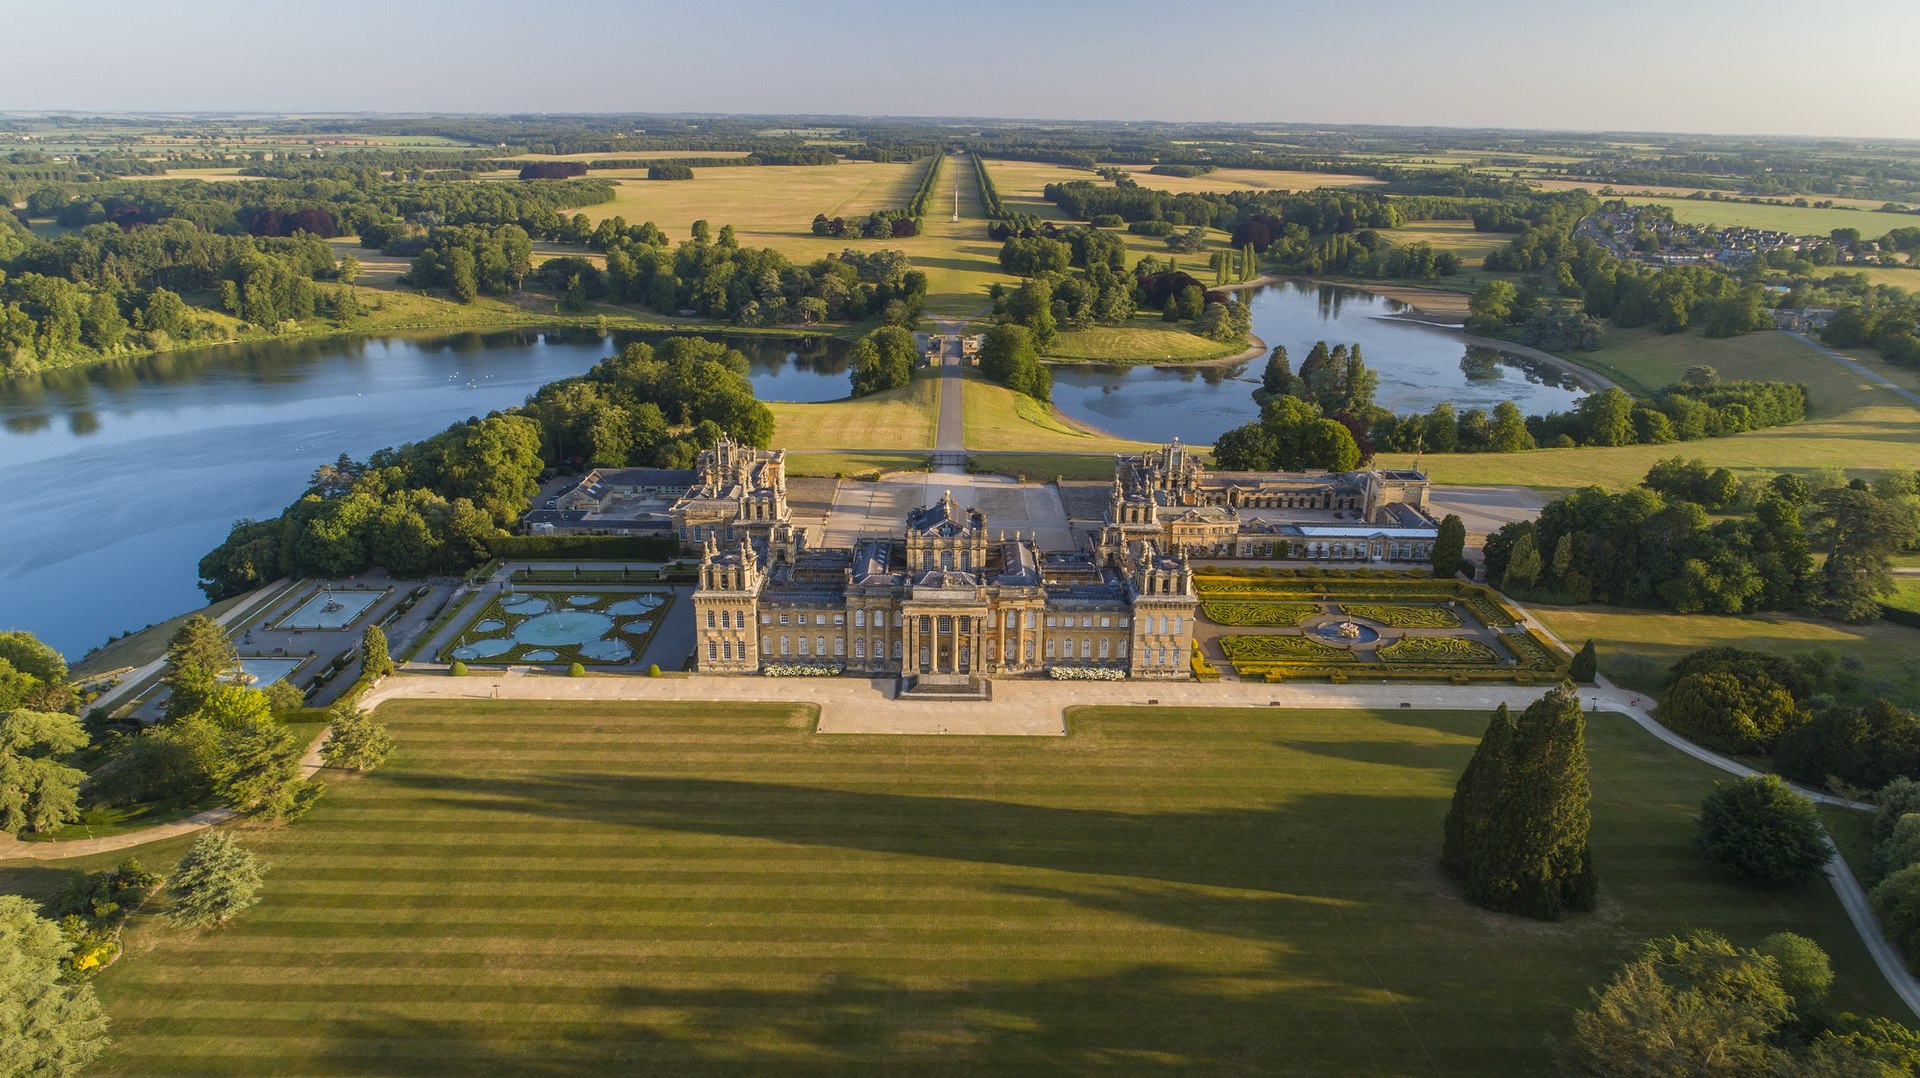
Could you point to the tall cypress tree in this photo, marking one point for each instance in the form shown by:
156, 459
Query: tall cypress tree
1518, 835
1470, 803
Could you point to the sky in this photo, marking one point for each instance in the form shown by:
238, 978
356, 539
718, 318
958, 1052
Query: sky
1837, 68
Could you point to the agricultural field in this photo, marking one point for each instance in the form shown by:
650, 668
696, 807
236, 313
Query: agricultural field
1636, 647
1854, 425
1630, 190
697, 889
1460, 237
1801, 221
902, 418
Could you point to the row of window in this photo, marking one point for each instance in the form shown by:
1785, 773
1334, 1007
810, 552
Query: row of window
727, 619
725, 650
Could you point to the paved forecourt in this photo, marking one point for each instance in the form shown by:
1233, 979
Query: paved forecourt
1023, 707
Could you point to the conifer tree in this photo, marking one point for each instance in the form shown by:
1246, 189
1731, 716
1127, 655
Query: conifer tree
1586, 664
1472, 803
1518, 831
197, 657
375, 660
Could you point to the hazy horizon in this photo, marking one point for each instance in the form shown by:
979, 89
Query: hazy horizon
1717, 67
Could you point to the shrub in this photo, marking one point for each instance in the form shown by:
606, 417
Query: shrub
1730, 711
1895, 800
1897, 902
1759, 831
458, 669
576, 670
1805, 970
794, 669
653, 670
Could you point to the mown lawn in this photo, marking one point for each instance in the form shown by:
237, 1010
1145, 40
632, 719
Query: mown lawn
997, 419
1144, 339
903, 418
569, 888
1636, 647
1853, 424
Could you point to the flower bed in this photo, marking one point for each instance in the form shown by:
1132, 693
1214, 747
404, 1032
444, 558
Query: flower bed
1262, 614
1404, 617
1437, 649
1086, 673
803, 669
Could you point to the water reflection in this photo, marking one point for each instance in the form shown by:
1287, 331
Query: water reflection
116, 478
1419, 367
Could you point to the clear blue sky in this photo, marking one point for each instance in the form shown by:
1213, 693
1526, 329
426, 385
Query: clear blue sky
1841, 67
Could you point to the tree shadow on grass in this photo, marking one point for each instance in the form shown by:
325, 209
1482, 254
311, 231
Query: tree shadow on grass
1240, 848
1143, 1019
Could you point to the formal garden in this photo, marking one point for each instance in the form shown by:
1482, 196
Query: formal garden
1370, 625
561, 626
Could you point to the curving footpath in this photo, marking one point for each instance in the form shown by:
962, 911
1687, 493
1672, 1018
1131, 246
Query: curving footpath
13, 849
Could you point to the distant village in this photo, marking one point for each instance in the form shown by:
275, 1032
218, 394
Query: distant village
1648, 235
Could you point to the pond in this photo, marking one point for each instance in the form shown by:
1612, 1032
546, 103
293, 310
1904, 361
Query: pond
116, 478
1419, 366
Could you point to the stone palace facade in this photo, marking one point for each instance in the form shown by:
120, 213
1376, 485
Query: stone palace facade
946, 598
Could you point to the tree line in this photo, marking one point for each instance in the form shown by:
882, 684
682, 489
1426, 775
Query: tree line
1657, 545
433, 506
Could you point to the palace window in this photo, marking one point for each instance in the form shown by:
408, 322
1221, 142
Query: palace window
766, 619
786, 646
859, 619
896, 650
713, 651
820, 646
859, 649
803, 647
766, 645
1030, 619
783, 618
1086, 647
1103, 647
1086, 621
709, 619
1176, 623
726, 650
1106, 622
839, 646
879, 619
1050, 649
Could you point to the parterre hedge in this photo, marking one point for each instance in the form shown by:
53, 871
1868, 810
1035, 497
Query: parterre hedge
1278, 647
1263, 614
1437, 650
1404, 617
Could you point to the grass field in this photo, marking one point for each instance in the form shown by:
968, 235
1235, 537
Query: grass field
1144, 339
1460, 237
1907, 277
854, 464
1801, 221
534, 888
1636, 647
1854, 425
997, 419
902, 418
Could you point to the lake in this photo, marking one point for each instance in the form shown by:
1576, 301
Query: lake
1419, 366
116, 478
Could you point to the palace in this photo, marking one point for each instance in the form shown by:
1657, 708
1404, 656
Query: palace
945, 599
1167, 495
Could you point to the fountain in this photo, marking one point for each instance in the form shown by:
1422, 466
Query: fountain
1347, 631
